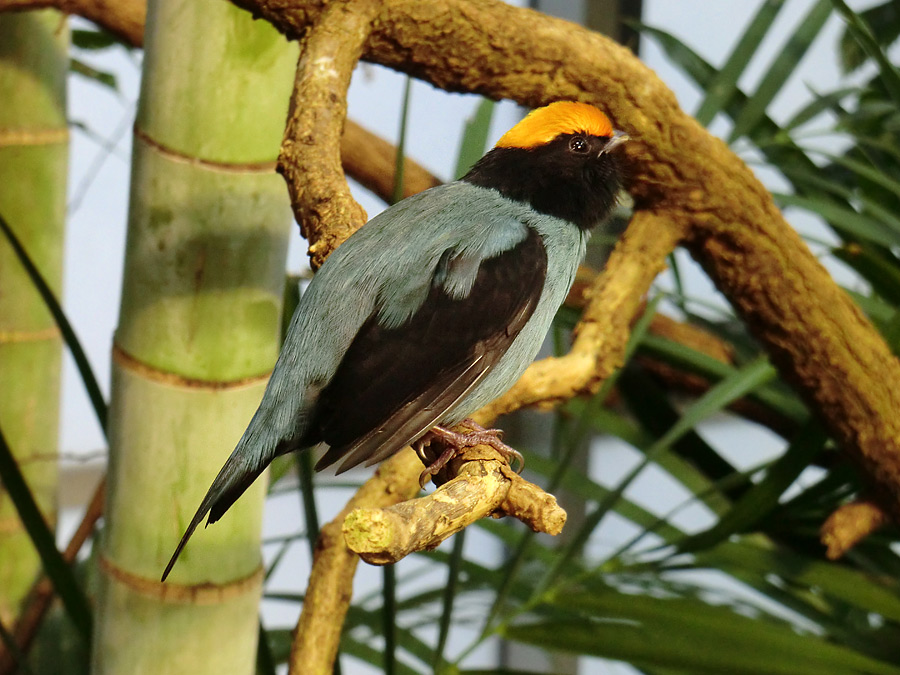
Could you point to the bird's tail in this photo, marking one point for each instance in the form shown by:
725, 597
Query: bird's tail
234, 478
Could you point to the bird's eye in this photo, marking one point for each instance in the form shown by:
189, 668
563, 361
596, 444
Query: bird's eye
578, 144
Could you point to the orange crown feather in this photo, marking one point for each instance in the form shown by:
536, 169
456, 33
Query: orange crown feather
542, 125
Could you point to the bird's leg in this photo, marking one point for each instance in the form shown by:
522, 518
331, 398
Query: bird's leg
456, 441
476, 436
432, 467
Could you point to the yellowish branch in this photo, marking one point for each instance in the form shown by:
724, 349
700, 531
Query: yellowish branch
310, 157
484, 485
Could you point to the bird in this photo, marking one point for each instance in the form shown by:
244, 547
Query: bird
435, 306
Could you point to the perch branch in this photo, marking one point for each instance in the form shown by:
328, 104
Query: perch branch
482, 484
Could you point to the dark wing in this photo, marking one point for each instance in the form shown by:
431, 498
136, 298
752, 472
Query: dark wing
394, 384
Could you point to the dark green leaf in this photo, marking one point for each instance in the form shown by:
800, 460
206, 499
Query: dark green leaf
862, 33
81, 360
93, 39
724, 83
91, 73
781, 69
474, 138
847, 221
763, 496
688, 634
884, 20
60, 574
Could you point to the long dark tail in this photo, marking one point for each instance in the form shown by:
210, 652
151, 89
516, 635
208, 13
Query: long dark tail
234, 478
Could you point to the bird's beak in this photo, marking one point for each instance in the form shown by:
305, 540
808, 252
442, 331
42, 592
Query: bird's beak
617, 139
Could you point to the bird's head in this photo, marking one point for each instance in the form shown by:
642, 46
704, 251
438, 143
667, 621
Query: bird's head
560, 160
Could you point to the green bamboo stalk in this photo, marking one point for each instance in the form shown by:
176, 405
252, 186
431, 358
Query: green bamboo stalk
33, 167
198, 334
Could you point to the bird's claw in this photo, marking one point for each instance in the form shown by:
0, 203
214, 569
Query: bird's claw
456, 441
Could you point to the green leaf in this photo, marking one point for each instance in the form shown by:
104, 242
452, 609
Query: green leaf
871, 593
781, 69
93, 39
56, 310
474, 138
702, 364
844, 219
91, 73
763, 496
862, 33
744, 380
265, 660
691, 63
821, 103
399, 163
688, 634
389, 619
371, 655
724, 83
449, 595
884, 20
871, 173
76, 604
879, 269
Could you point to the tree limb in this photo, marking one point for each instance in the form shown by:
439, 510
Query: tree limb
123, 18
849, 525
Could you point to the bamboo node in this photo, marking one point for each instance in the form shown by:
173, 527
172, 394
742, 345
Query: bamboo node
184, 594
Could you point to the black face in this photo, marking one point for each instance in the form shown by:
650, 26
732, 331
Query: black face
568, 177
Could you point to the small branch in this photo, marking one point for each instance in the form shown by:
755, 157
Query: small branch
330, 587
849, 525
371, 160
484, 485
310, 157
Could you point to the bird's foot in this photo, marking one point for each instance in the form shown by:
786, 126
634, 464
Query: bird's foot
455, 441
